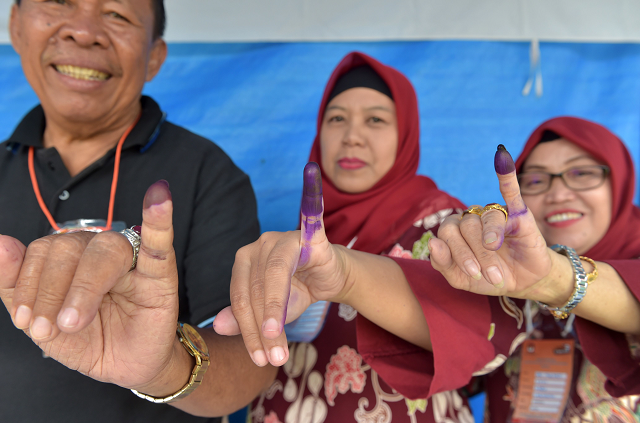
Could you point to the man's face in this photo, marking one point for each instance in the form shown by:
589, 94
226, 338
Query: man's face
87, 60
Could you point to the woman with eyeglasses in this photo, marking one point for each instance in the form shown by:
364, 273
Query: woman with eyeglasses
576, 179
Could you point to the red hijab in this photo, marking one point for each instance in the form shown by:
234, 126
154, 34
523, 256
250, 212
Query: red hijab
622, 240
379, 216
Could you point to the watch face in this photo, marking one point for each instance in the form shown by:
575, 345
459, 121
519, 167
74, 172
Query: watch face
194, 338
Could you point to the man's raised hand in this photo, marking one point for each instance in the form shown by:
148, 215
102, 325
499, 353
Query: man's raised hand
74, 295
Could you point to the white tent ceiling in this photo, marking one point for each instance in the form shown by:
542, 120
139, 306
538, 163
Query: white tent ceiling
339, 20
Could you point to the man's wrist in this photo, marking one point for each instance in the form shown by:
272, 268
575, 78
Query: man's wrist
173, 376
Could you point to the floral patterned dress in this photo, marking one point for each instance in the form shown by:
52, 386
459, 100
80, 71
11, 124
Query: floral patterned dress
328, 380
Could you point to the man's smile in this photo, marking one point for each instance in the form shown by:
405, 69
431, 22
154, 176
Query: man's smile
85, 74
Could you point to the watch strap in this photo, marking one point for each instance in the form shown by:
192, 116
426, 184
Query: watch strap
197, 348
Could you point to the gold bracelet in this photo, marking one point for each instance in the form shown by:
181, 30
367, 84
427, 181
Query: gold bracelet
594, 274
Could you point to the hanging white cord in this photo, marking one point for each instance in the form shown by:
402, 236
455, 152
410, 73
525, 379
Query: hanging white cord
568, 327
535, 72
528, 318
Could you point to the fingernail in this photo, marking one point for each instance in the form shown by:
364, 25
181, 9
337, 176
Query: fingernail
271, 326
312, 191
431, 249
23, 317
503, 162
495, 276
277, 355
490, 237
157, 193
472, 269
259, 358
69, 318
41, 328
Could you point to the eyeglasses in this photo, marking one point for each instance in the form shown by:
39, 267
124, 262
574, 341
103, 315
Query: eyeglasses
577, 179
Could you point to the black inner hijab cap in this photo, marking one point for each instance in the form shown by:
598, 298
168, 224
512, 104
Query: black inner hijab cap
548, 135
362, 76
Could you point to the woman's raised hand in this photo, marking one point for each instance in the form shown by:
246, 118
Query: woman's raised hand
488, 255
277, 277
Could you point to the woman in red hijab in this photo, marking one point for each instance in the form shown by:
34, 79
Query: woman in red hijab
576, 360
367, 146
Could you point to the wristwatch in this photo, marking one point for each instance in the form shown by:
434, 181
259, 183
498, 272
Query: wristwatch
195, 345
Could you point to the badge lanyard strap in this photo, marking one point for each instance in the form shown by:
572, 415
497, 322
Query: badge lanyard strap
114, 182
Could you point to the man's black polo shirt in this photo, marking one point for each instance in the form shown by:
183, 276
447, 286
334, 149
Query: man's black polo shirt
214, 215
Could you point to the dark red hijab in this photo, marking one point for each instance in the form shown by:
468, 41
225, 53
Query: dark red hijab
622, 240
379, 216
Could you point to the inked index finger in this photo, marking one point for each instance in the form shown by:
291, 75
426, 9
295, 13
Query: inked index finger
311, 210
509, 187
279, 269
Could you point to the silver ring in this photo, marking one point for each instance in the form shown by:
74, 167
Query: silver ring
134, 238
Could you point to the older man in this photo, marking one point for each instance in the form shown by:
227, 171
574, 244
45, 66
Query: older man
83, 159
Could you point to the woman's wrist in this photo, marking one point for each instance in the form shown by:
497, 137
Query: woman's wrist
556, 288
346, 265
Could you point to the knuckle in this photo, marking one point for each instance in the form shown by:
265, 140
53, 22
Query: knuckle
493, 216
244, 253
240, 304
49, 295
267, 238
277, 265
40, 247
25, 294
159, 226
447, 228
460, 254
85, 290
251, 339
470, 222
257, 290
274, 304
484, 255
111, 244
68, 245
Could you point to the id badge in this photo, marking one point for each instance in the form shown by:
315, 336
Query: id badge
90, 225
546, 373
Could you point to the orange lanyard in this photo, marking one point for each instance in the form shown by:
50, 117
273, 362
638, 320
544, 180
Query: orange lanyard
114, 182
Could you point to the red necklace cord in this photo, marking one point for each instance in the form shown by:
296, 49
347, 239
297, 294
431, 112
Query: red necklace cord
114, 182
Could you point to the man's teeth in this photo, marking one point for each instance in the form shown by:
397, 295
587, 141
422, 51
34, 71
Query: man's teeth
561, 217
82, 73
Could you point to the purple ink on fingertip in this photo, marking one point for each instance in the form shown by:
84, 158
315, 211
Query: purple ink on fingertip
312, 191
157, 193
311, 209
503, 162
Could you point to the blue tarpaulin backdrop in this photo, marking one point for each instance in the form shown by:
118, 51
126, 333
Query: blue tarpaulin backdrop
259, 103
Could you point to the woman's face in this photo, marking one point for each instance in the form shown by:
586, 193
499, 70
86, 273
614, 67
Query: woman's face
578, 219
358, 139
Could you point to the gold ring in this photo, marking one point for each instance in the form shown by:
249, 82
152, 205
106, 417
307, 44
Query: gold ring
496, 206
477, 210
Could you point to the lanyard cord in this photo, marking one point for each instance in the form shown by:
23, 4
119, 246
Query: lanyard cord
114, 182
